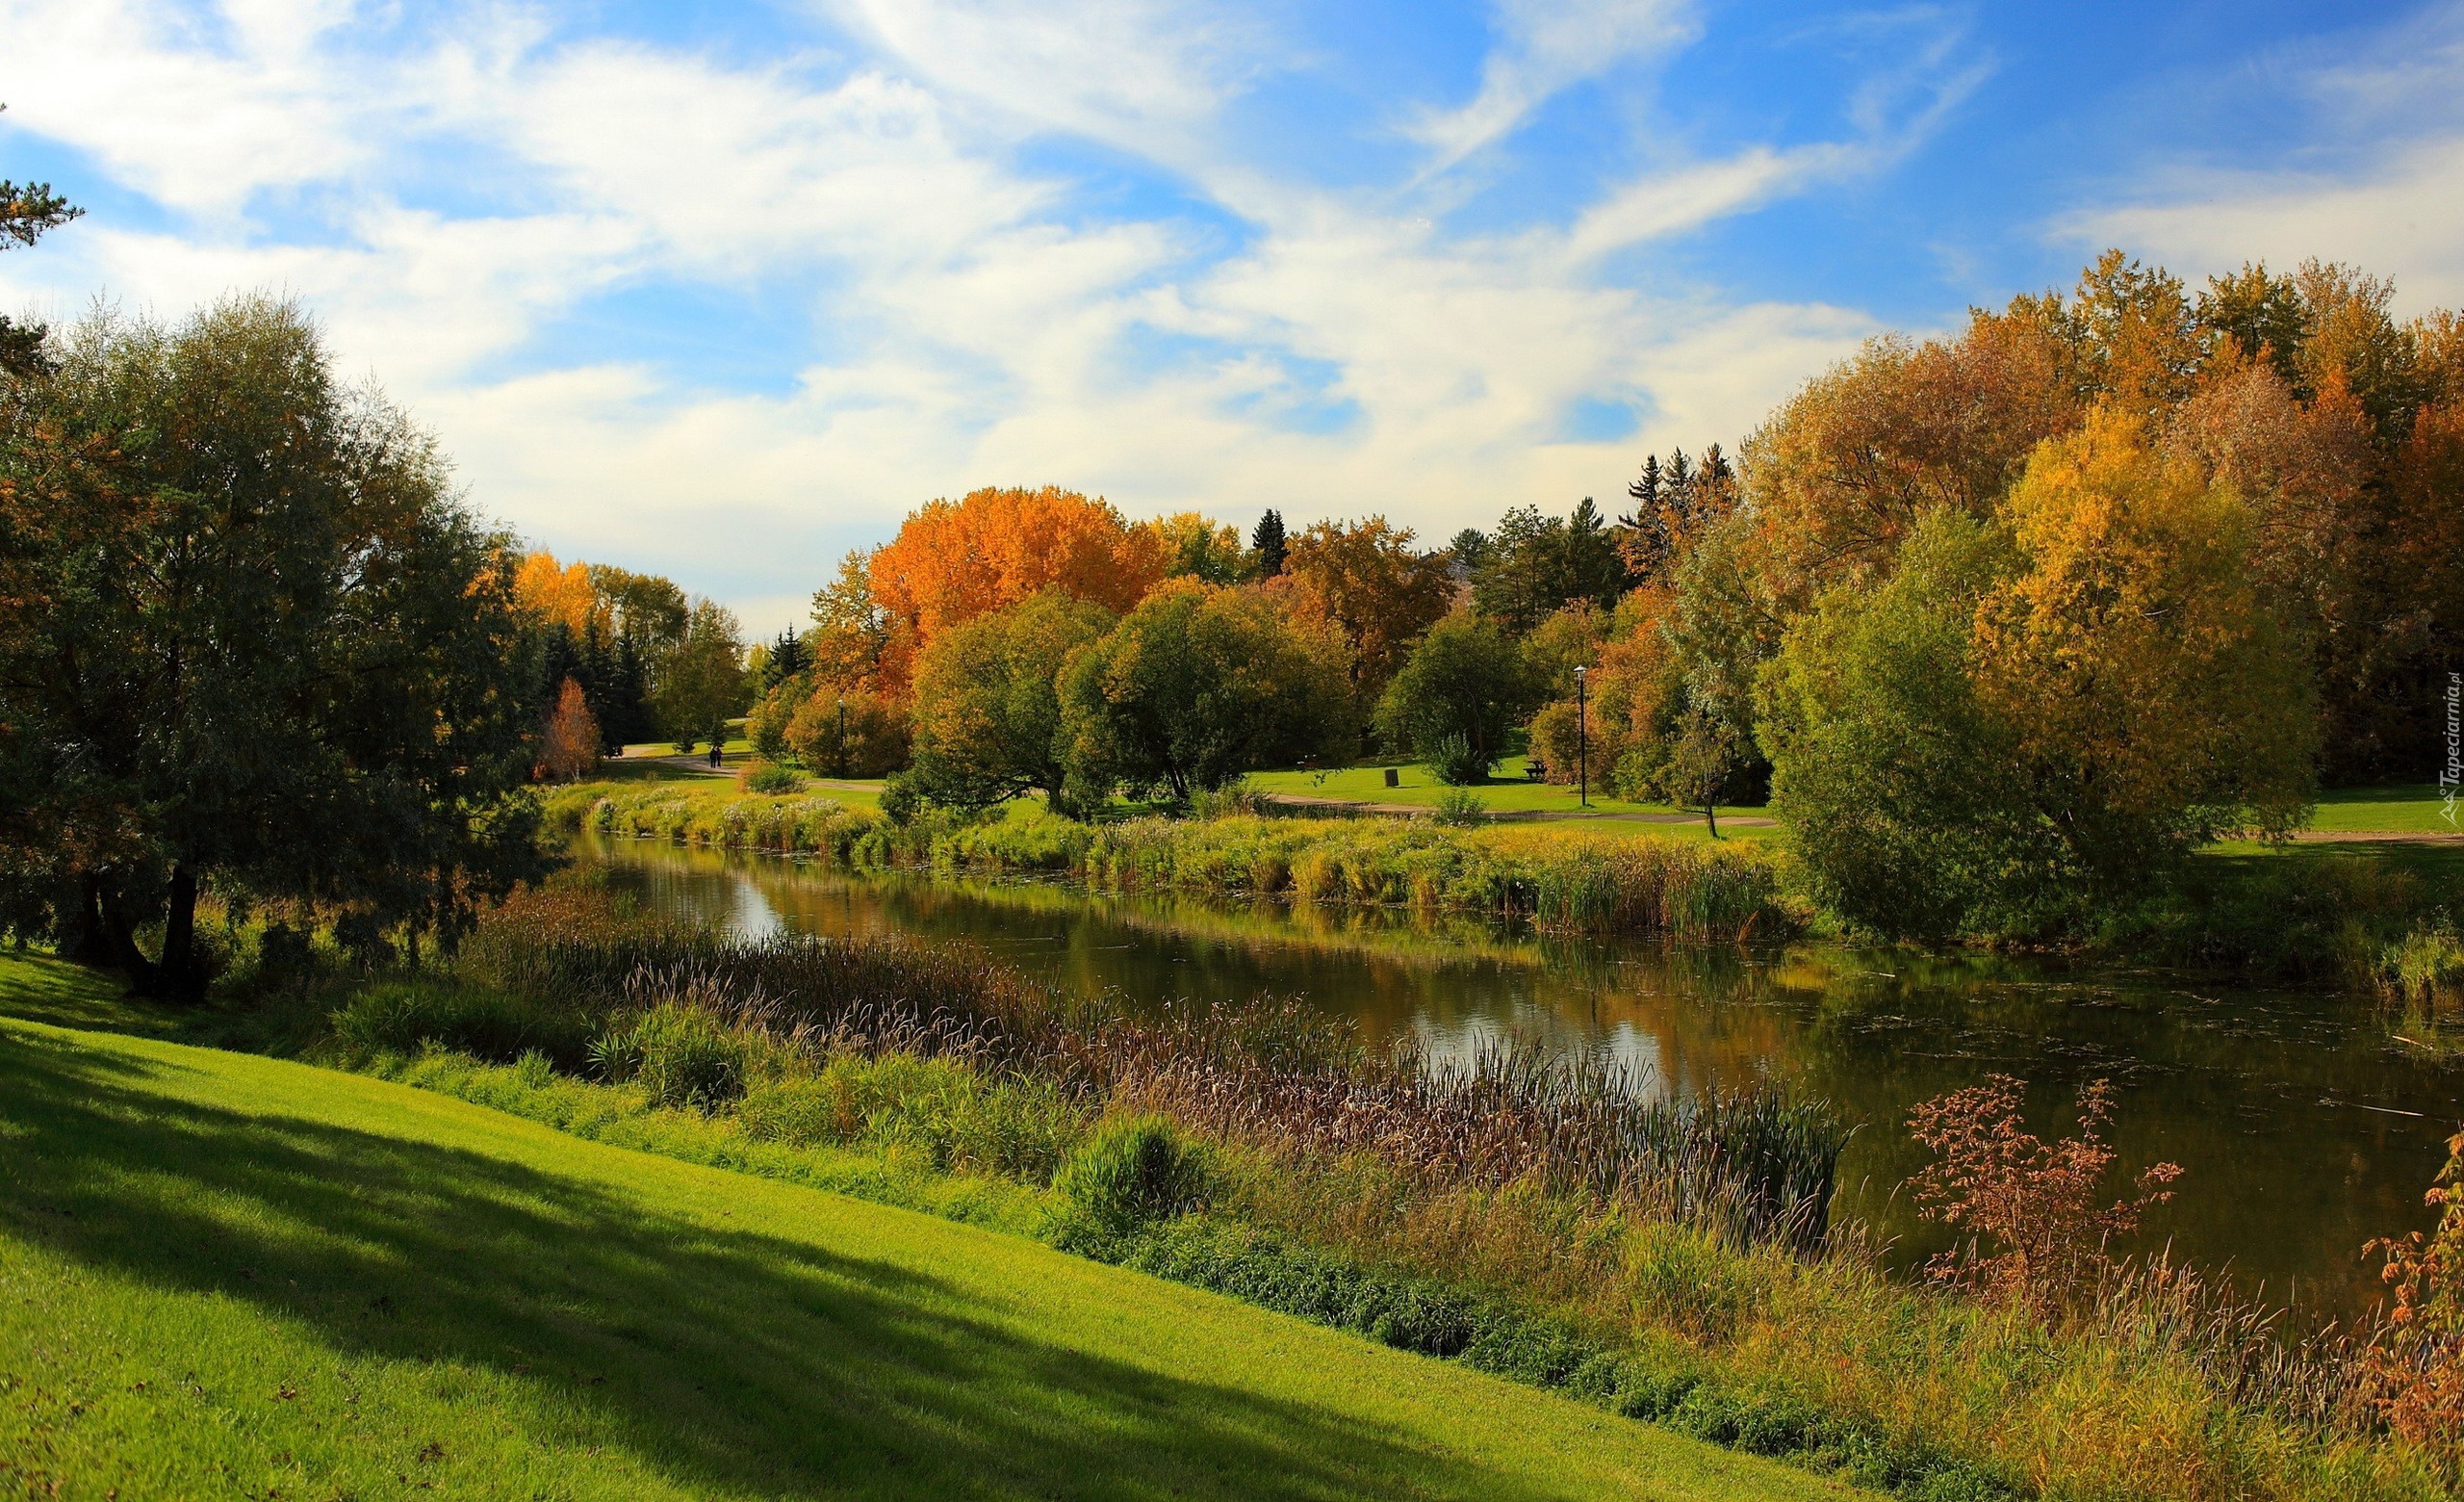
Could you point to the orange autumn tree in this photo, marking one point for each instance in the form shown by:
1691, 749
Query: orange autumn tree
555, 593
954, 560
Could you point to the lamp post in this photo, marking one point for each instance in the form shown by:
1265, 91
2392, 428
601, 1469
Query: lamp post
842, 739
1583, 740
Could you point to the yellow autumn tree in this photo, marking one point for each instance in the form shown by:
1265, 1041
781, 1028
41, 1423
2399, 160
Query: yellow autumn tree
555, 593
2158, 695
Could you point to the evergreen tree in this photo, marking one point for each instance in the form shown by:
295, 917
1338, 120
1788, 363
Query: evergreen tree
1270, 544
787, 659
26, 211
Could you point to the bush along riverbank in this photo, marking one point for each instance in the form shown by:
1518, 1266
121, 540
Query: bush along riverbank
1559, 1225
1572, 882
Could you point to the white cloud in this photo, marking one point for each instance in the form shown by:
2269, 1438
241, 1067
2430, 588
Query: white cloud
2404, 219
978, 326
2375, 177
1542, 48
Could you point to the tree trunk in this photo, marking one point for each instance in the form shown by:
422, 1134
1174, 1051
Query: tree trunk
183, 976
119, 946
83, 940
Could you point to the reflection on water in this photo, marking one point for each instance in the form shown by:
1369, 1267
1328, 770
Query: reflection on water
2304, 1130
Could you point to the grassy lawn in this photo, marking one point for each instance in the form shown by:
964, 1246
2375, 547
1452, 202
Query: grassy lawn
1366, 783
226, 1275
2384, 809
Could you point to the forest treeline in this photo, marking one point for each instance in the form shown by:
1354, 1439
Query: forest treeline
2006, 621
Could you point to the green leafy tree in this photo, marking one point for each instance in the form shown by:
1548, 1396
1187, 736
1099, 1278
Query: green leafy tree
249, 644
1197, 685
2032, 721
988, 703
26, 212
1536, 564
701, 684
1465, 679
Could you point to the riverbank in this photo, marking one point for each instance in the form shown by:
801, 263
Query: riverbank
1558, 877
1669, 1282
2378, 917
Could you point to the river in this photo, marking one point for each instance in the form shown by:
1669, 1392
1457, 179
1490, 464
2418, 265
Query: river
2303, 1126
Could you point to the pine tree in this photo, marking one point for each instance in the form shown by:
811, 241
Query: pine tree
1269, 541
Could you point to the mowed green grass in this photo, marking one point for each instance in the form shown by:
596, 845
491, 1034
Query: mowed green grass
2416, 809
222, 1275
1418, 786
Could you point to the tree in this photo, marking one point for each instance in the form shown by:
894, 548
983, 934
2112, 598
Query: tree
249, 644
1674, 505
26, 212
1368, 582
1197, 685
786, 660
1466, 679
953, 561
1701, 759
2026, 725
848, 732
700, 687
569, 741
1194, 547
988, 705
1267, 542
1538, 564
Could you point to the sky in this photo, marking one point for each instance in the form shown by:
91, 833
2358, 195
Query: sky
723, 290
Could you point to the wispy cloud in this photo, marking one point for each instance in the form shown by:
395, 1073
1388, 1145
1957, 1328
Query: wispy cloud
1541, 48
451, 189
2377, 179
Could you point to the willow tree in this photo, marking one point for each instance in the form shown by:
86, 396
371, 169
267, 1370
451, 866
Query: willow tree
251, 644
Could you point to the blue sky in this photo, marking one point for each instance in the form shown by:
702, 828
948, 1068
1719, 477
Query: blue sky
722, 291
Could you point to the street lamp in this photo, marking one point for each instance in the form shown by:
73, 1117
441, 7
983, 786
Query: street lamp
1583, 740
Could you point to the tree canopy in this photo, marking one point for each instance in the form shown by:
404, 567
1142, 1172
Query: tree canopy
250, 642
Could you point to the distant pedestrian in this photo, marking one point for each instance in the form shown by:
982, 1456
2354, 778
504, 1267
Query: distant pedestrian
715, 755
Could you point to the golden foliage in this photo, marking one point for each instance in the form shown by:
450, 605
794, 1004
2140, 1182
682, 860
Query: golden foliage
557, 594
2147, 671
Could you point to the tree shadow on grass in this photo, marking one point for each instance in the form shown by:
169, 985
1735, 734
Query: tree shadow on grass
721, 1359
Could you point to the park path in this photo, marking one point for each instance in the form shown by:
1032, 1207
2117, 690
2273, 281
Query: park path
1512, 815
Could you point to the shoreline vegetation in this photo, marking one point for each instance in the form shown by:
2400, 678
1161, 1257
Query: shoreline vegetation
1561, 1226
2369, 920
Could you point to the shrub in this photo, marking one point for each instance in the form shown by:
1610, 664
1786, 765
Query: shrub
682, 1057
2425, 968
769, 778
1457, 761
1133, 1171
1459, 806
406, 1016
2413, 1371
2035, 1201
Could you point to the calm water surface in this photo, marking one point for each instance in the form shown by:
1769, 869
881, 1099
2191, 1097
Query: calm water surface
2303, 1126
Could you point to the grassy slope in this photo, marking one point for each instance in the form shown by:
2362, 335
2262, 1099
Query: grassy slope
224, 1275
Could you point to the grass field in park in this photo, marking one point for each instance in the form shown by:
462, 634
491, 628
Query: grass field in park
2414, 810
1366, 783
228, 1275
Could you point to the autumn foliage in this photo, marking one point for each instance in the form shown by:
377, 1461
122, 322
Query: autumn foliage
569, 741
954, 560
2413, 1371
2033, 1211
